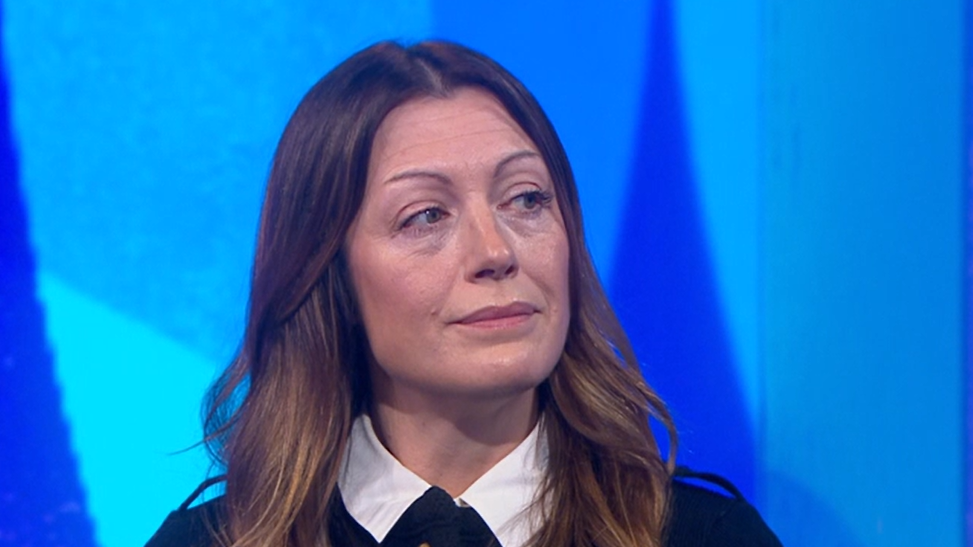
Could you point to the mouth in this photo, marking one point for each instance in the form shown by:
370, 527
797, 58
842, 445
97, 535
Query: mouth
499, 316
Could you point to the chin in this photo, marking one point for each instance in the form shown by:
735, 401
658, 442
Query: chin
511, 378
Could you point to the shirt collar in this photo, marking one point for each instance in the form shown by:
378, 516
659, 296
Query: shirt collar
377, 489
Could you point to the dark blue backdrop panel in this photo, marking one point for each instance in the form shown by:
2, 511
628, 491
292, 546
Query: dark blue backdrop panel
41, 499
663, 285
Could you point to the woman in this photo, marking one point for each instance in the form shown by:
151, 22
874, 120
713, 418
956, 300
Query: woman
429, 356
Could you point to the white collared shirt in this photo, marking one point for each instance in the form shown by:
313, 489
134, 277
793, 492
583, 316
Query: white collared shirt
377, 489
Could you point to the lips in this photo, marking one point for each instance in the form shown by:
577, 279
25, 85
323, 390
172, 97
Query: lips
492, 314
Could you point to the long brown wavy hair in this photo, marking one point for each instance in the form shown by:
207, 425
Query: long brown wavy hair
278, 419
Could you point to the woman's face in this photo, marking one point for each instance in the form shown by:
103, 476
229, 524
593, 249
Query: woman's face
459, 255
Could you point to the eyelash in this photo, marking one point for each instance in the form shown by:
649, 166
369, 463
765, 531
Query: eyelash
542, 200
409, 223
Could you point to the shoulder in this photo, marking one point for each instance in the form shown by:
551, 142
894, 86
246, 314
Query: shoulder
190, 527
201, 526
702, 517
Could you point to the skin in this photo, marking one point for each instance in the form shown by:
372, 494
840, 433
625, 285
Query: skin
459, 261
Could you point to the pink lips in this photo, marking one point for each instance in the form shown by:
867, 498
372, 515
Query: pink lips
499, 316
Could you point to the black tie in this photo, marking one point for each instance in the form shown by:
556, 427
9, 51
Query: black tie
434, 520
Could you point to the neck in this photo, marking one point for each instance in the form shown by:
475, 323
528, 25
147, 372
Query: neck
450, 442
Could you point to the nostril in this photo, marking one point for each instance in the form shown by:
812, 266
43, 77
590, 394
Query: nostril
496, 273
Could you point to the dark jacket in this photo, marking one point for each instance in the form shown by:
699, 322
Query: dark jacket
700, 518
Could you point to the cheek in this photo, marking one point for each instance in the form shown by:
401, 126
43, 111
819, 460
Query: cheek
547, 263
545, 252
562, 259
551, 261
560, 284
394, 291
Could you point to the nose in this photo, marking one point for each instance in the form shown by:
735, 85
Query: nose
488, 249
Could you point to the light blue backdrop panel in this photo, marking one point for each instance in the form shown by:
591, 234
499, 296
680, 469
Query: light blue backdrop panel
864, 271
144, 133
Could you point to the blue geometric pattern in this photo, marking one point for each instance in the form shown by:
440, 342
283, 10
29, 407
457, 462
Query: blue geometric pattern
663, 281
135, 139
42, 502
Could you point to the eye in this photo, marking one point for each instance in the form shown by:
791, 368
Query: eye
426, 217
532, 200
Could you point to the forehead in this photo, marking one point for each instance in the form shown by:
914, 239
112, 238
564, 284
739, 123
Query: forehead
470, 126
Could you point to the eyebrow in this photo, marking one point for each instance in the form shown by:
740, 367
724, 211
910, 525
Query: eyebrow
425, 173
512, 158
417, 173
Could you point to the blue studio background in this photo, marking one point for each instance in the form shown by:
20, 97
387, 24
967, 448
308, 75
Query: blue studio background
774, 194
